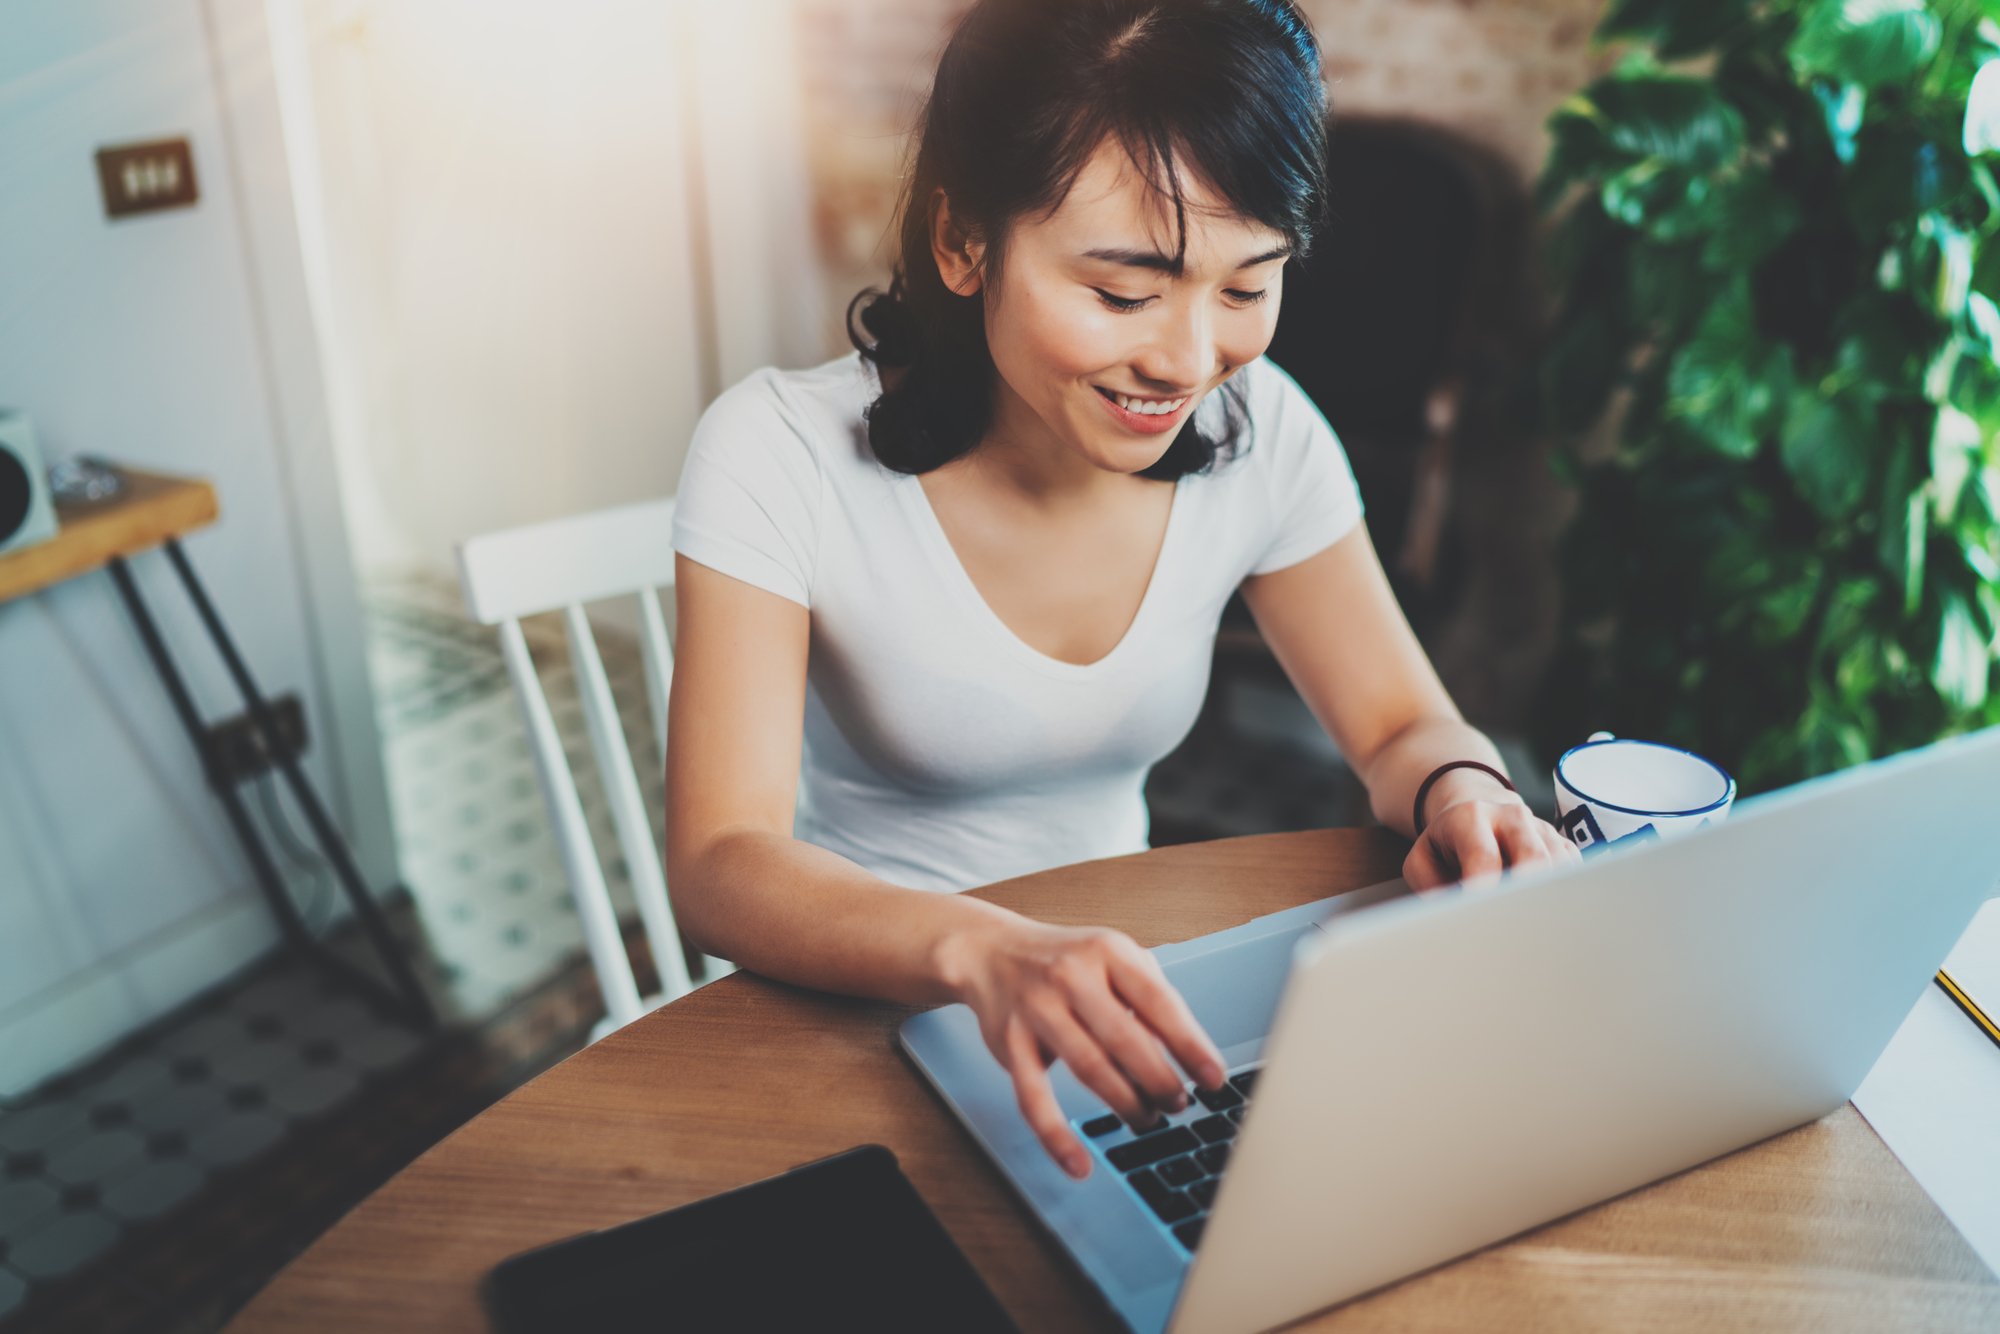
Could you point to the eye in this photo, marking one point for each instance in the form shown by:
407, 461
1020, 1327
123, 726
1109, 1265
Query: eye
1248, 298
1119, 302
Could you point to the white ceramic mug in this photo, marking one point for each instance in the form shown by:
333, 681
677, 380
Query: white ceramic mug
1610, 789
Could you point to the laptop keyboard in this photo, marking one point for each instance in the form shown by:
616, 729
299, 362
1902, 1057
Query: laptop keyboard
1176, 1166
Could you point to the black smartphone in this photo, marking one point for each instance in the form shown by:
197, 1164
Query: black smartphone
843, 1242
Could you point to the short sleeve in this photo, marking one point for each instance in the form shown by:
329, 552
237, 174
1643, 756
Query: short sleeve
1314, 500
749, 497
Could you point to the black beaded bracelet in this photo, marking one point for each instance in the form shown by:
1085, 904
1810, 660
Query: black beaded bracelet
1424, 789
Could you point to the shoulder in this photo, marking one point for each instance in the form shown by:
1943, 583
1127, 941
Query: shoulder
1274, 399
771, 397
754, 486
806, 417
1284, 433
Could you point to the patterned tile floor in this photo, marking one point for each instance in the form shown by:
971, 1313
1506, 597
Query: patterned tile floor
160, 1185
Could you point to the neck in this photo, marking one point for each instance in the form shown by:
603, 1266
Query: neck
1022, 453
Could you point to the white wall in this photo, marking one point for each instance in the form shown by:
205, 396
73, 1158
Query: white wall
516, 201
177, 341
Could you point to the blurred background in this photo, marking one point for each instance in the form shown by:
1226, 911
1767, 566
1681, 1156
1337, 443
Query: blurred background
1660, 338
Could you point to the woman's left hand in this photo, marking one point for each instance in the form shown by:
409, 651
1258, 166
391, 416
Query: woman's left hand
1475, 838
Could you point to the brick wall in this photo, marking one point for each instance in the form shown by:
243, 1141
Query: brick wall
1492, 69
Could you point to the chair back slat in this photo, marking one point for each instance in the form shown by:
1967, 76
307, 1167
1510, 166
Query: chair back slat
579, 856
628, 808
541, 567
560, 565
658, 659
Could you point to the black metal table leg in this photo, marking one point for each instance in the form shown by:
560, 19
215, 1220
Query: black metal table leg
412, 1002
268, 879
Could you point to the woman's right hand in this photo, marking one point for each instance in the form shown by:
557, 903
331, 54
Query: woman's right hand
1092, 997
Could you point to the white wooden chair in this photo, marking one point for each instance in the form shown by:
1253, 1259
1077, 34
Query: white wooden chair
620, 552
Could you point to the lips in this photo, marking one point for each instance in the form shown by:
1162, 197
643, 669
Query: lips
1144, 423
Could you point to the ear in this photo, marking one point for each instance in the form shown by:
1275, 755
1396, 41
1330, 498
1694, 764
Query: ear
957, 253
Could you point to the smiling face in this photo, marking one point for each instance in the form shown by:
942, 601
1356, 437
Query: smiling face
1089, 309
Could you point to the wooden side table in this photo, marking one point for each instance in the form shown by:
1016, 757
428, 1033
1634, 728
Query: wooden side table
156, 510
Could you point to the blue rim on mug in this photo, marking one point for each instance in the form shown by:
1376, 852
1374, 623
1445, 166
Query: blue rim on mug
1728, 779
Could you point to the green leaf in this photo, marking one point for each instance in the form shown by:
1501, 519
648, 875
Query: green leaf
1853, 744
1578, 151
1825, 446
1666, 286
1982, 111
1986, 269
1884, 339
1941, 376
1980, 561
1963, 669
1950, 248
1869, 42
1784, 607
1980, 174
1859, 670
1955, 453
1684, 121
1761, 90
1879, 188
1751, 215
1985, 318
1691, 218
1642, 190
1917, 537
1986, 486
1905, 527
1842, 105
1726, 384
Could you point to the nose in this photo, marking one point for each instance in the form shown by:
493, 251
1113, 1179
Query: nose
1181, 354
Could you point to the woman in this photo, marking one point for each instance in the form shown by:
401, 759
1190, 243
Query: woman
945, 600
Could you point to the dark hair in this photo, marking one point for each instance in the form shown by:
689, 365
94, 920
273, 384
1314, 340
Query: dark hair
1024, 93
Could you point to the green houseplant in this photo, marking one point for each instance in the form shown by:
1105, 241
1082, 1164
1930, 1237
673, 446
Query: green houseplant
1773, 376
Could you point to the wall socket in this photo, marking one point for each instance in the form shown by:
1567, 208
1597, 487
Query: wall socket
236, 747
141, 178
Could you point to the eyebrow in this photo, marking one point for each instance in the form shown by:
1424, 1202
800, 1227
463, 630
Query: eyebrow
1153, 259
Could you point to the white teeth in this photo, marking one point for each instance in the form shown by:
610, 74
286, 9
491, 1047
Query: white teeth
1145, 409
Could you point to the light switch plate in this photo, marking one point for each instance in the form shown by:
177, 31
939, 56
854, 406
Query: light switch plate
144, 178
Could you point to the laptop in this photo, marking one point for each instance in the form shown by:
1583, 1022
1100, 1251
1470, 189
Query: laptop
1417, 1076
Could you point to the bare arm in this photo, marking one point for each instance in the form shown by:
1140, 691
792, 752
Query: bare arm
1333, 623
746, 889
743, 887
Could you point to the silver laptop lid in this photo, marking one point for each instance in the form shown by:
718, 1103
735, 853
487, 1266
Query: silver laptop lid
1448, 1071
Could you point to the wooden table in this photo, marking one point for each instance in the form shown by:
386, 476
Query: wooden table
1817, 1229
152, 509
149, 511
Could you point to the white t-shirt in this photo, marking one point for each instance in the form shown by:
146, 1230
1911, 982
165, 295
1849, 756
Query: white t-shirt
940, 750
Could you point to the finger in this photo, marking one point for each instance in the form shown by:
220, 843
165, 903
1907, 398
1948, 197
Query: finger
1160, 1008
1474, 848
1519, 834
1090, 1063
1424, 868
1133, 1046
1038, 1102
1560, 849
